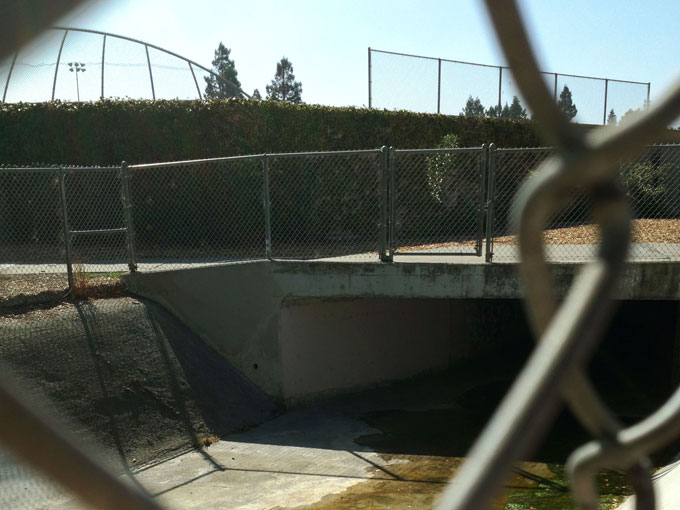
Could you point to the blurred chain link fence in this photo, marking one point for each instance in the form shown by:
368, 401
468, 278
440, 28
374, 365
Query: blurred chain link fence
651, 181
71, 64
437, 85
368, 205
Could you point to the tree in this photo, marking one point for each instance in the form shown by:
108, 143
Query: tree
256, 94
494, 111
515, 111
473, 108
284, 87
224, 67
611, 118
566, 104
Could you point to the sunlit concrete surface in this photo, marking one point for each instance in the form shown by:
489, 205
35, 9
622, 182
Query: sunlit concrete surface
667, 489
293, 461
507, 254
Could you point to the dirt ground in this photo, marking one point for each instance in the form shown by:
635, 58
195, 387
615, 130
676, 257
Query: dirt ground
126, 375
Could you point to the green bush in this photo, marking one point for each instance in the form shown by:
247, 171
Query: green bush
108, 132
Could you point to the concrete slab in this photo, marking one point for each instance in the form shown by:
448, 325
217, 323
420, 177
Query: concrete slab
506, 254
667, 488
295, 460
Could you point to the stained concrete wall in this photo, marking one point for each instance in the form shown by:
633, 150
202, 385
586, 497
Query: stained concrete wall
330, 346
248, 312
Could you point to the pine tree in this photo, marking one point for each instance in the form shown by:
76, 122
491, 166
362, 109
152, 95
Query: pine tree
473, 108
611, 118
227, 85
566, 104
515, 111
284, 87
256, 94
494, 111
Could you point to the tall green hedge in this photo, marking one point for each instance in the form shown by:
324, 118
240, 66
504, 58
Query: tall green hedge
108, 132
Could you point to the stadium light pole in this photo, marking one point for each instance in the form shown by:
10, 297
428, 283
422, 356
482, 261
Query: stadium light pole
76, 67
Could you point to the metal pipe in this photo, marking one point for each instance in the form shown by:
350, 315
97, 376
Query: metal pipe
103, 60
439, 84
490, 201
500, 85
102, 231
193, 75
383, 238
148, 61
127, 216
56, 69
67, 229
480, 199
370, 99
266, 204
604, 116
392, 210
9, 75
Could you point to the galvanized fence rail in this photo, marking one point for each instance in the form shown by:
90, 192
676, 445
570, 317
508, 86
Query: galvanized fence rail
370, 204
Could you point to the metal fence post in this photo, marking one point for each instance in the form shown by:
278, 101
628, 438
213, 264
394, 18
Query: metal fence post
392, 213
370, 99
383, 237
439, 85
67, 228
606, 91
500, 88
480, 202
127, 216
266, 204
490, 200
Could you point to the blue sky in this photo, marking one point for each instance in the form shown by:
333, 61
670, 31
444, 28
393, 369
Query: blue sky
327, 40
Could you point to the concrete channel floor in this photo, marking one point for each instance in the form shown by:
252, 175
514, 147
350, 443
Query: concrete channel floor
290, 462
317, 457
294, 460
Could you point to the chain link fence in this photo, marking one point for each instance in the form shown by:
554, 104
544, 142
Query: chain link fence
66, 222
71, 64
197, 212
324, 204
438, 201
437, 85
651, 181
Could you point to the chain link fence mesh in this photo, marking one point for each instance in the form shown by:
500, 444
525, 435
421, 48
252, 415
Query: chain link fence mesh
94, 207
31, 221
651, 182
320, 205
400, 81
201, 212
325, 204
438, 198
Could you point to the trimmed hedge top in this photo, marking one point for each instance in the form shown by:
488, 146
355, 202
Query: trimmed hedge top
140, 131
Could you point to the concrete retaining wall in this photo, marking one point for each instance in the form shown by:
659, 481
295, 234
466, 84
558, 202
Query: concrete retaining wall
302, 329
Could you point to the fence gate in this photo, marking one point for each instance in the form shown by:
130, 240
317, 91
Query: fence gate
104, 235
437, 201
